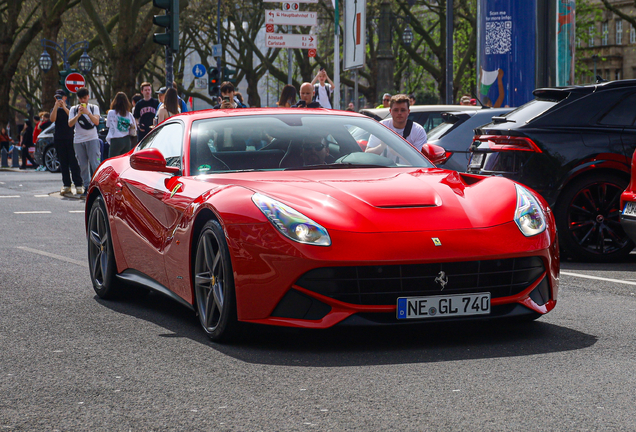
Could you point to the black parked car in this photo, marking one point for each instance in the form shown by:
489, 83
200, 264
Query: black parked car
573, 145
456, 133
45, 152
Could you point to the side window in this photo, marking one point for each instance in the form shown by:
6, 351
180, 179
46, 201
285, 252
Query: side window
147, 140
621, 114
168, 140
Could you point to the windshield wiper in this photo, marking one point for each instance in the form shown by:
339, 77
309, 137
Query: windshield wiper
499, 119
335, 166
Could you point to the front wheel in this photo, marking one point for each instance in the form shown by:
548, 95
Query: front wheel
588, 219
101, 258
214, 284
50, 159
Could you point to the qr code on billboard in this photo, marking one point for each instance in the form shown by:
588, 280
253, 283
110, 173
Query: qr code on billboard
498, 37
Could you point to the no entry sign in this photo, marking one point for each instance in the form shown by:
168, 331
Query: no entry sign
74, 82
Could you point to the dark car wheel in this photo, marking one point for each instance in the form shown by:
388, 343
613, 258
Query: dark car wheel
101, 258
588, 219
214, 284
51, 162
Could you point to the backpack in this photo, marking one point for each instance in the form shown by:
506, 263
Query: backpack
317, 91
85, 124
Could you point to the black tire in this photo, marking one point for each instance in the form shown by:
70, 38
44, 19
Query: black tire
50, 159
101, 258
214, 284
588, 219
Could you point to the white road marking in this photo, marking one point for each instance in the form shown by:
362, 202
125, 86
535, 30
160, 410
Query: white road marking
50, 255
33, 212
76, 211
9, 196
598, 278
41, 196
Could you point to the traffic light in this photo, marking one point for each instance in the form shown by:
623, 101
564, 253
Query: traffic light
171, 23
229, 75
214, 82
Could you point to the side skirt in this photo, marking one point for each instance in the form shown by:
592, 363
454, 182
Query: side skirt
138, 278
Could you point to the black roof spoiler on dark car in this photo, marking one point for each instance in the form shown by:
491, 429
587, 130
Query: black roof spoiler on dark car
557, 94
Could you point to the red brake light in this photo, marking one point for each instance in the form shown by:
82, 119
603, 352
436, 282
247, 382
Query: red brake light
508, 143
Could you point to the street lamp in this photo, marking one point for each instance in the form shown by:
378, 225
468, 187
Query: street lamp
45, 62
407, 36
85, 63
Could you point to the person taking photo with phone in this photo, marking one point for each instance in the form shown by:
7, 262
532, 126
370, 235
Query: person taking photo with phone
84, 117
63, 142
228, 100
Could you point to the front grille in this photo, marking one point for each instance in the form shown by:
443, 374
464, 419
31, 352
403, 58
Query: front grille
382, 285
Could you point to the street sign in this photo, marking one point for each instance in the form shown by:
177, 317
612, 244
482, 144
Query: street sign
74, 81
312, 52
281, 40
198, 71
282, 17
269, 28
287, 6
355, 30
217, 50
200, 83
296, 1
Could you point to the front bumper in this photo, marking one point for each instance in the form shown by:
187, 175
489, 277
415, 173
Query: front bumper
271, 288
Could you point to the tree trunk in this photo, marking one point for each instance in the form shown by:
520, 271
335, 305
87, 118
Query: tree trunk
50, 79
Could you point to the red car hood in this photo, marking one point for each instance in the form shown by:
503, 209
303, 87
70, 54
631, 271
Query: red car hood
387, 200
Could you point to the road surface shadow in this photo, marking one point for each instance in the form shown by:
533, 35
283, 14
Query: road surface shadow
356, 346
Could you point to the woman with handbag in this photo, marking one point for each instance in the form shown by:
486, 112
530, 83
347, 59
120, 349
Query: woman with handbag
121, 125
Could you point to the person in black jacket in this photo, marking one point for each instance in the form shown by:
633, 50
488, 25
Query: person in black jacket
63, 141
26, 141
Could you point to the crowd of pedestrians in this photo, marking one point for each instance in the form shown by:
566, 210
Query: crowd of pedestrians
80, 150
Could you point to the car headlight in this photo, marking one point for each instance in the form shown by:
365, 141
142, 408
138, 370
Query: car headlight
290, 223
529, 216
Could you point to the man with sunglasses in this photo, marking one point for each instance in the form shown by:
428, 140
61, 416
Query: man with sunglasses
386, 100
314, 151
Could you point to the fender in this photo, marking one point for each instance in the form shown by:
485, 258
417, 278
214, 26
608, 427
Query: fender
604, 161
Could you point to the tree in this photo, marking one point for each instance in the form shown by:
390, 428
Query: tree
20, 22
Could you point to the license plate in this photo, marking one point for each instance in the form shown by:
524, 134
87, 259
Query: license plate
476, 160
630, 209
443, 306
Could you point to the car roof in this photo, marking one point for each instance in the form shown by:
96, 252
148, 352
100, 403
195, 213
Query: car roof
383, 113
559, 93
212, 113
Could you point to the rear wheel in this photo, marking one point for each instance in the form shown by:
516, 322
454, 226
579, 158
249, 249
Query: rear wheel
51, 161
588, 219
101, 258
214, 284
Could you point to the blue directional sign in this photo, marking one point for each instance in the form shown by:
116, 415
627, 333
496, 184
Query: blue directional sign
198, 70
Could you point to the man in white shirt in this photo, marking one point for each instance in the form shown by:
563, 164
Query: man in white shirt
322, 91
400, 123
85, 118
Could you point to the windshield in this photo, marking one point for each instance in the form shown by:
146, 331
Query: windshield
295, 141
529, 111
437, 132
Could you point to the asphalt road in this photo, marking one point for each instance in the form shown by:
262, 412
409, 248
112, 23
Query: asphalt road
70, 361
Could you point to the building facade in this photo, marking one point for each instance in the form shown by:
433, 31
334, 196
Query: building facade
608, 48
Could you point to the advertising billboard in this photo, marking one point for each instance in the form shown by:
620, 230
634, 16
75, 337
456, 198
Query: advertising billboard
506, 52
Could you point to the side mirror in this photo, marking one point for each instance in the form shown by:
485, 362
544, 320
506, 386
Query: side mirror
151, 159
434, 153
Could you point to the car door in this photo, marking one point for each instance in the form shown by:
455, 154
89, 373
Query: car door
144, 214
626, 112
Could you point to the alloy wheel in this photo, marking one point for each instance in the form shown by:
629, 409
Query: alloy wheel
594, 218
209, 280
98, 244
51, 161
